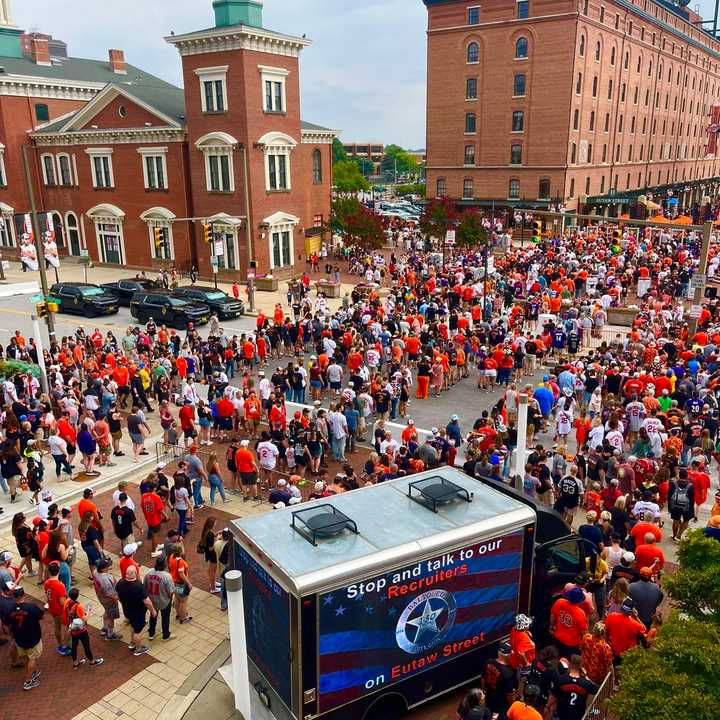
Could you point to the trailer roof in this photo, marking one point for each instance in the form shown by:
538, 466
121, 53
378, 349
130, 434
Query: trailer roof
392, 530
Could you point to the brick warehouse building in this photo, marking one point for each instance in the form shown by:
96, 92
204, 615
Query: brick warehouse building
116, 152
588, 102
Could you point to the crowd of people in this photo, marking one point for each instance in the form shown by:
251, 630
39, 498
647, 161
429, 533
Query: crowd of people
622, 427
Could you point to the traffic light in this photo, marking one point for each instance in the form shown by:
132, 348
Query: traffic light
207, 233
159, 237
52, 307
537, 231
617, 235
41, 309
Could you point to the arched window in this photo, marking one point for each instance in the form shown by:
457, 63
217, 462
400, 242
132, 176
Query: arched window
581, 48
278, 148
218, 147
317, 167
521, 48
514, 189
470, 123
544, 188
597, 51
73, 233
612, 56
473, 52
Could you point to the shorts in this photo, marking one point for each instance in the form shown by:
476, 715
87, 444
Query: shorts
153, 529
335, 385
137, 438
210, 556
71, 449
112, 609
684, 515
32, 653
105, 449
190, 433
225, 423
316, 383
137, 622
490, 373
205, 422
248, 478
181, 589
117, 435
124, 390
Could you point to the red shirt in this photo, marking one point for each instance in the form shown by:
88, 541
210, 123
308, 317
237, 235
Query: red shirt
187, 417
225, 408
55, 594
623, 631
125, 563
645, 556
152, 506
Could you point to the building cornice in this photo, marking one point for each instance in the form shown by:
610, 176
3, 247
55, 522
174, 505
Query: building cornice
124, 136
240, 37
318, 137
40, 87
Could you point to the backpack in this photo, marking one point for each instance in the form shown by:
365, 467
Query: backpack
230, 458
681, 499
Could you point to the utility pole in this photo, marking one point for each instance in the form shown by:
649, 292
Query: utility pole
702, 270
49, 318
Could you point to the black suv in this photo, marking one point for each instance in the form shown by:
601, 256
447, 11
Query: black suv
84, 299
219, 302
167, 310
125, 289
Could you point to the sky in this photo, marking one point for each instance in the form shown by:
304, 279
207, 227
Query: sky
364, 75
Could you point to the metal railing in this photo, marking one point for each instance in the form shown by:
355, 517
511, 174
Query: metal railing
597, 709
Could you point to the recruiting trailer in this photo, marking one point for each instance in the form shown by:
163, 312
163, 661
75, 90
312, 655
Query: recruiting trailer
388, 628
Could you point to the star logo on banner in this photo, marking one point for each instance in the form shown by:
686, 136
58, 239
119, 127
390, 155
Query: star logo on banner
426, 624
328, 600
339, 610
369, 609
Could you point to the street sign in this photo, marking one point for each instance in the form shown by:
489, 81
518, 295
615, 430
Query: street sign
219, 248
215, 264
694, 311
698, 281
450, 237
54, 300
251, 274
36, 298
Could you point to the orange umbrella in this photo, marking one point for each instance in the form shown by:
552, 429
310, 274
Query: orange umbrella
683, 220
658, 219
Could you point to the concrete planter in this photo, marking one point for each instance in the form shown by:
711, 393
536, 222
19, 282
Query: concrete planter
625, 317
331, 290
266, 284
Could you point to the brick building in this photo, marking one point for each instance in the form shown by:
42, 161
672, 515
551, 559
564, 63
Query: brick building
115, 151
587, 102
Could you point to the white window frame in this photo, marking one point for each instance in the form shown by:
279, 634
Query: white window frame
68, 228
71, 177
213, 74
275, 144
154, 152
229, 235
164, 218
101, 152
273, 74
44, 158
7, 230
214, 145
467, 16
281, 222
121, 235
3, 174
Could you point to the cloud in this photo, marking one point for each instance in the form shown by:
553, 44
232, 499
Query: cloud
364, 73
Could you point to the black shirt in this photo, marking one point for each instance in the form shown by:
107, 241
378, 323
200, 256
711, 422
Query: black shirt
131, 595
122, 520
24, 624
499, 681
572, 695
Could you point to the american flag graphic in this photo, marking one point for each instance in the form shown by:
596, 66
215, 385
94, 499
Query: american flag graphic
377, 638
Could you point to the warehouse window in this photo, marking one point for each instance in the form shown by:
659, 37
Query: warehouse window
521, 48
473, 53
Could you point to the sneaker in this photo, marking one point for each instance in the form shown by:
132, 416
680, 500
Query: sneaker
97, 661
151, 637
215, 591
78, 664
144, 452
104, 631
36, 675
30, 684
142, 650
113, 636
186, 620
64, 651
169, 637
131, 646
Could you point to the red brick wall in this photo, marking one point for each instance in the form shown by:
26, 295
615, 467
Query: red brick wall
135, 116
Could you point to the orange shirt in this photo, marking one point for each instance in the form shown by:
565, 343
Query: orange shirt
570, 622
521, 643
520, 711
55, 594
245, 461
176, 565
125, 563
623, 631
70, 611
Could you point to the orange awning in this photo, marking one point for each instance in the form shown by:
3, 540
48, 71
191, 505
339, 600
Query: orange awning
683, 220
624, 216
658, 219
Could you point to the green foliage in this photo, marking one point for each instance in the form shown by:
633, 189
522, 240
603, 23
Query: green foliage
471, 233
8, 368
348, 178
411, 189
695, 587
338, 152
365, 165
439, 215
677, 680
398, 163
360, 226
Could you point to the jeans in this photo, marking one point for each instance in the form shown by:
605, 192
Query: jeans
223, 592
230, 368
338, 448
164, 622
299, 395
83, 638
197, 492
182, 521
216, 485
352, 439
4, 485
61, 463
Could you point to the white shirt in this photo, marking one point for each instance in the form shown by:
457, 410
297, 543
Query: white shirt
267, 454
189, 393
265, 387
338, 424
128, 503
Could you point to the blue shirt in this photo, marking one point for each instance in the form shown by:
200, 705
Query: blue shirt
545, 399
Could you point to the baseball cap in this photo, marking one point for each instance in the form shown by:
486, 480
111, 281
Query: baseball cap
160, 466
319, 486
646, 572
575, 596
454, 417
627, 607
103, 563
505, 648
46, 495
282, 482
131, 548
628, 557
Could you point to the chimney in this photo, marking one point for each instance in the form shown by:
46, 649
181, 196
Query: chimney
40, 51
117, 62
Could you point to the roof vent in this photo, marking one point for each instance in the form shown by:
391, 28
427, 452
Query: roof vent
436, 490
2, 69
321, 522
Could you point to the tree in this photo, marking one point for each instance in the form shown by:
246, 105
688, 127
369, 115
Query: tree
411, 189
471, 233
398, 163
359, 225
365, 165
338, 152
438, 216
348, 178
695, 587
677, 678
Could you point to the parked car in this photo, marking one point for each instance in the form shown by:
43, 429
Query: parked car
125, 289
219, 302
84, 299
167, 310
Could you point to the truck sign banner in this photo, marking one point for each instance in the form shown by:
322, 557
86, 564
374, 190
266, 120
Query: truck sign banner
388, 628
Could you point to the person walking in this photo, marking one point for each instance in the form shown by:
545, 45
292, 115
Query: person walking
74, 618
59, 452
104, 584
196, 473
160, 588
23, 622
178, 568
25, 542
135, 604
55, 595
124, 520
207, 544
212, 468
247, 469
138, 431
180, 500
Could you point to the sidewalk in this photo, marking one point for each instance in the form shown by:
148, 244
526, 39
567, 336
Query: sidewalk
265, 301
